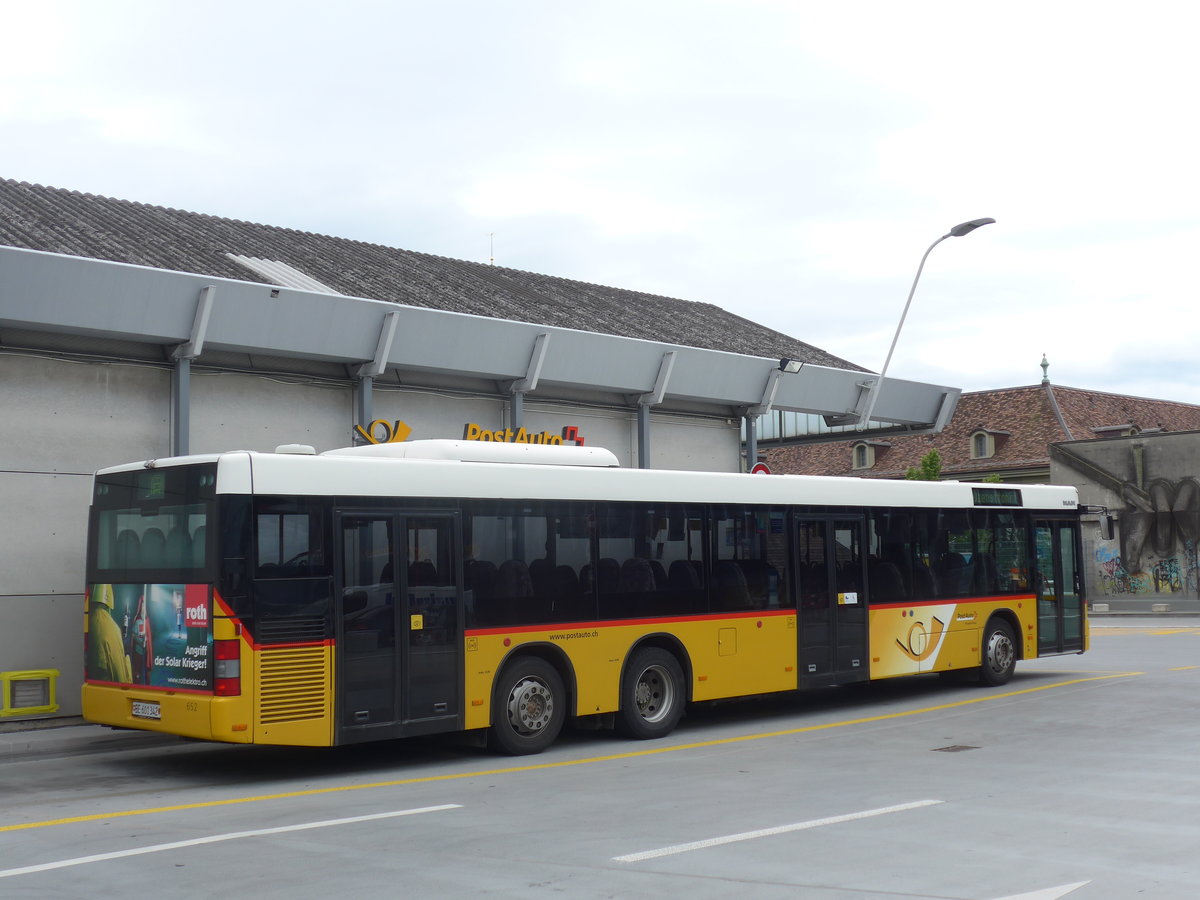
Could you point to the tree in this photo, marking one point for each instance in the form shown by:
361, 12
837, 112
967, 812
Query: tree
929, 470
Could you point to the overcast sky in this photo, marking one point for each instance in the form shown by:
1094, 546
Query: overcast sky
788, 161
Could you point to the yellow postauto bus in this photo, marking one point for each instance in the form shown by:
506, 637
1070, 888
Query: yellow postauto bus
505, 589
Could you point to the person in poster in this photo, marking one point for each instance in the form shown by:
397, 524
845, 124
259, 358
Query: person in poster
106, 656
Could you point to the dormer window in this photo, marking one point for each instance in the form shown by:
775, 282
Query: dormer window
985, 442
862, 454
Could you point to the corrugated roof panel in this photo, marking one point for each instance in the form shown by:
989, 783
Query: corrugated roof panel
281, 273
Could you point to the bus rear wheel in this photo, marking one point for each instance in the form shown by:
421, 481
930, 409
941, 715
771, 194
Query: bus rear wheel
999, 654
652, 695
528, 708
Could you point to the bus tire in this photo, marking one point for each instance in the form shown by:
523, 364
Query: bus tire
528, 708
999, 654
652, 695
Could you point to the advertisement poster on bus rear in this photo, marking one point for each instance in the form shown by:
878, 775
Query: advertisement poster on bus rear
158, 635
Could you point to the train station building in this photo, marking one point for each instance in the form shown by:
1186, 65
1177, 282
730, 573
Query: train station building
132, 332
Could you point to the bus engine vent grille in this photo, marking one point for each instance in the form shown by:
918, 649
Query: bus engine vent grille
294, 684
291, 630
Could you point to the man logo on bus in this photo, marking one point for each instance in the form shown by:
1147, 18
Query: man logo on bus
921, 643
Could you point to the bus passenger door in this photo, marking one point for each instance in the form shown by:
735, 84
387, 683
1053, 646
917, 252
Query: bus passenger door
431, 619
366, 637
1057, 581
831, 601
400, 624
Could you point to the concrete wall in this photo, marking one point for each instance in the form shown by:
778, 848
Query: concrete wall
1151, 483
65, 418
62, 420
235, 411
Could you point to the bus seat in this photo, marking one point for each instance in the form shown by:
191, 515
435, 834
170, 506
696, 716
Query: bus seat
682, 576
729, 586
570, 601
564, 581
987, 575
636, 576
660, 575
127, 552
480, 577
422, 573
512, 579
761, 576
887, 584
154, 549
199, 545
178, 549
608, 574
954, 573
541, 573
924, 584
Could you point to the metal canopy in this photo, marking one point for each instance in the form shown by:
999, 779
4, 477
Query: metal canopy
47, 292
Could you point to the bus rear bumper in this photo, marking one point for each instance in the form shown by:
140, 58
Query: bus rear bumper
185, 715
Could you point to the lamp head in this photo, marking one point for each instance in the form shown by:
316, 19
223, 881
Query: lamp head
790, 366
968, 227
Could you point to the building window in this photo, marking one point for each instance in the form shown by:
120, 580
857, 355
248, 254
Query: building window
864, 456
983, 445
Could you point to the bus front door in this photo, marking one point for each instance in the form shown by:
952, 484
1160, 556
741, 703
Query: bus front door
1060, 602
831, 602
400, 624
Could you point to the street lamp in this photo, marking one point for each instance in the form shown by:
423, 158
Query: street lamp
956, 231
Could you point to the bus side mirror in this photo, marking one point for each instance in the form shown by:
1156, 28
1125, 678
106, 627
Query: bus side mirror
1107, 530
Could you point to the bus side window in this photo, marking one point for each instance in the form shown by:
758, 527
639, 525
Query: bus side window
290, 538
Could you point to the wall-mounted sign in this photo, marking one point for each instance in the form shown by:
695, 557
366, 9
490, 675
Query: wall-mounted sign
570, 435
382, 431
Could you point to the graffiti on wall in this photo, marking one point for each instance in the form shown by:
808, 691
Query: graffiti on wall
1155, 552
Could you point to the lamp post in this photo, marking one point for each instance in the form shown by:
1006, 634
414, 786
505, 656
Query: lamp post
956, 231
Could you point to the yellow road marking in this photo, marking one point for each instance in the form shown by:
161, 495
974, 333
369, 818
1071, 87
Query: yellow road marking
538, 767
1182, 668
1112, 630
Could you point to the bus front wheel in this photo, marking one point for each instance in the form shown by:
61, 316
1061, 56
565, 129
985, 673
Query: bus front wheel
652, 695
999, 654
528, 708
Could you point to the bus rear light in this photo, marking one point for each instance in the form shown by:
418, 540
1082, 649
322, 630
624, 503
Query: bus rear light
227, 681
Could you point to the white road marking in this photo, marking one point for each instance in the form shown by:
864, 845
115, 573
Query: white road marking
1047, 893
217, 838
767, 832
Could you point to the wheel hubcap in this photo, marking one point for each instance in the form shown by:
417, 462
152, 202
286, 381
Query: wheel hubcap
654, 694
1000, 652
530, 706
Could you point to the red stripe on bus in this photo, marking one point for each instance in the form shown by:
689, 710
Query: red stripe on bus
951, 601
613, 623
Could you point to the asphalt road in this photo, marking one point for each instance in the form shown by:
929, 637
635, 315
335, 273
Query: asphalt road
1080, 778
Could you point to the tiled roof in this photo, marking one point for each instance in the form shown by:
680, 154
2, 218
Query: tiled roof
1033, 417
34, 217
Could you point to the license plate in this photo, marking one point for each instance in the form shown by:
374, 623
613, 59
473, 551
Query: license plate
144, 710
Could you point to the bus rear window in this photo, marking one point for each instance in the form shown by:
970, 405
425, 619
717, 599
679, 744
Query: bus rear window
155, 521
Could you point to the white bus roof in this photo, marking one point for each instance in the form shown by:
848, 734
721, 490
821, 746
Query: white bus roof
366, 472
